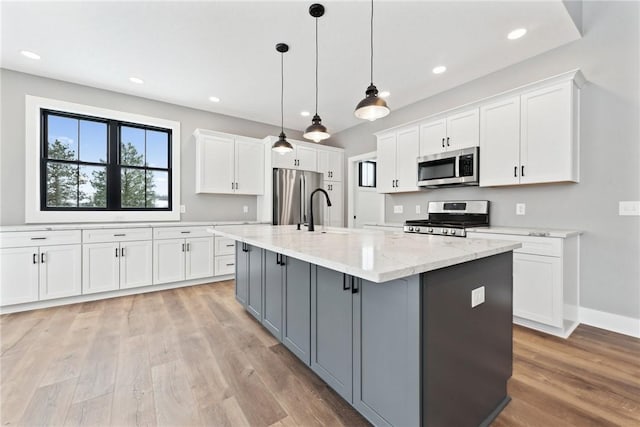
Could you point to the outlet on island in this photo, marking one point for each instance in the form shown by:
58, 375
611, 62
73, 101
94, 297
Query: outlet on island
520, 208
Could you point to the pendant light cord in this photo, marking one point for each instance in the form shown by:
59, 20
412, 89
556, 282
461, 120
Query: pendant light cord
316, 66
372, 42
282, 92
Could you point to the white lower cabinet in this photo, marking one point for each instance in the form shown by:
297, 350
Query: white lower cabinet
19, 269
175, 260
135, 264
60, 271
116, 265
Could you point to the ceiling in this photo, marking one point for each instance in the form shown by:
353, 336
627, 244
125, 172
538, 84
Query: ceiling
188, 51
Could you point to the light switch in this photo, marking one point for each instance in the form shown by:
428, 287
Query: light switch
245, 209
183, 208
520, 208
629, 208
477, 296
417, 209
398, 209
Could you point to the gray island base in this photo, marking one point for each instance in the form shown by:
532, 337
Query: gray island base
404, 352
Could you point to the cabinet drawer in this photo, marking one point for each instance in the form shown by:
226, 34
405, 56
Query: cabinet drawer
20, 239
180, 232
116, 235
225, 246
225, 264
548, 246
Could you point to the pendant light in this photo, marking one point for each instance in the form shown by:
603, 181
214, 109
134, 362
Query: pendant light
282, 146
371, 107
316, 131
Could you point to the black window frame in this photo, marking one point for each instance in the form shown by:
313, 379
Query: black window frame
375, 173
112, 164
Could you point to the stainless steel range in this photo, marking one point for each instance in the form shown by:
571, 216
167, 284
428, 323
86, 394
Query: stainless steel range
451, 218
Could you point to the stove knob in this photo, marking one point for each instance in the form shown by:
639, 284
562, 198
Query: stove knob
410, 228
445, 231
453, 232
430, 230
417, 229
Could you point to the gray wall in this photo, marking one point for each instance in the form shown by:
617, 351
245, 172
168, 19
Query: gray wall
207, 207
608, 55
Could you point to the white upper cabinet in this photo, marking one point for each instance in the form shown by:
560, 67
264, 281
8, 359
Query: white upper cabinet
228, 164
455, 132
334, 214
301, 158
500, 142
548, 132
397, 169
307, 158
330, 164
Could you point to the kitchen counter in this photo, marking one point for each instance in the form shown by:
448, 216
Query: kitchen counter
368, 254
527, 231
106, 225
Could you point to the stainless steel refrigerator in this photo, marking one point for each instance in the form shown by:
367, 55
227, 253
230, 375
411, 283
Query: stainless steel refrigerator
291, 191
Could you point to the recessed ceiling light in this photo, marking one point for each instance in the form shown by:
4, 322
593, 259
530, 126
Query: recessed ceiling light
517, 33
384, 94
29, 54
214, 99
305, 113
136, 80
439, 69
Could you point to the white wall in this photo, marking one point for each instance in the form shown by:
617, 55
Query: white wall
14, 86
608, 55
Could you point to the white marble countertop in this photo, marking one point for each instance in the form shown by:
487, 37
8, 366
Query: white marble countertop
100, 225
527, 231
373, 255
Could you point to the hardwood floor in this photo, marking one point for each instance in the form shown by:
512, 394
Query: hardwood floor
192, 356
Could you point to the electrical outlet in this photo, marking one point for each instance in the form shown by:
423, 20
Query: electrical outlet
183, 208
245, 209
477, 296
417, 209
629, 208
520, 208
398, 209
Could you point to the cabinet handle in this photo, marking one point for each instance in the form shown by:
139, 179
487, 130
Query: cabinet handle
38, 238
119, 235
442, 142
229, 265
182, 247
515, 171
278, 259
345, 283
116, 252
185, 232
35, 258
522, 170
232, 185
188, 247
121, 252
230, 246
42, 258
354, 286
236, 185
447, 141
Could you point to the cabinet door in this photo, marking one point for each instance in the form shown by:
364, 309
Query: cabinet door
386, 346
254, 297
215, 161
18, 275
60, 271
297, 295
537, 288
407, 148
307, 158
168, 261
463, 130
330, 165
136, 264
500, 143
249, 167
386, 167
285, 160
199, 257
272, 294
242, 274
100, 267
332, 329
333, 215
547, 145
433, 136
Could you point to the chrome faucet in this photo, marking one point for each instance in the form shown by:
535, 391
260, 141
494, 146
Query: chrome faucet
311, 227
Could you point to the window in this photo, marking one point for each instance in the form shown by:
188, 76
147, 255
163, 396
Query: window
95, 163
91, 164
367, 174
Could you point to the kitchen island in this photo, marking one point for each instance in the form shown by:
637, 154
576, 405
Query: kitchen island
409, 329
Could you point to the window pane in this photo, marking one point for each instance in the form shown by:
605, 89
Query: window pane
157, 149
62, 185
367, 174
93, 141
131, 146
62, 138
93, 186
157, 189
132, 182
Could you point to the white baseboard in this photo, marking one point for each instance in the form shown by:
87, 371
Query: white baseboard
611, 322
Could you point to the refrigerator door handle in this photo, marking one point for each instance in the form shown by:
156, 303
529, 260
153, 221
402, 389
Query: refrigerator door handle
303, 198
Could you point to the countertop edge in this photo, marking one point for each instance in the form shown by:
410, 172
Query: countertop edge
112, 225
527, 231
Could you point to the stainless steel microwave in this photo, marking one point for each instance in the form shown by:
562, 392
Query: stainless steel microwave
450, 168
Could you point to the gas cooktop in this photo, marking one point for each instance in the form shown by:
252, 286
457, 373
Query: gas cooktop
451, 218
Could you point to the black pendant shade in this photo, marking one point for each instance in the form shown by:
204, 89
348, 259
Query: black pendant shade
372, 107
316, 131
282, 146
